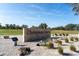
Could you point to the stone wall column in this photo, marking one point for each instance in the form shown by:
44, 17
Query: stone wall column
24, 34
78, 35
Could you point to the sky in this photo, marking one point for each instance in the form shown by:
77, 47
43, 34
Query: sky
54, 14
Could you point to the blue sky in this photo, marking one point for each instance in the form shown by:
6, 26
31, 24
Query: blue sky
54, 14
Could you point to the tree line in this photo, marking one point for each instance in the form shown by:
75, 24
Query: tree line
12, 26
41, 26
67, 27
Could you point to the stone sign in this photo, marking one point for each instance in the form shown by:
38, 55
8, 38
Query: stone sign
35, 34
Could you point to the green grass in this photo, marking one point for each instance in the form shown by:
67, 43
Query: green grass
64, 31
10, 32
19, 32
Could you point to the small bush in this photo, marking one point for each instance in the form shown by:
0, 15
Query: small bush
60, 50
24, 51
59, 42
71, 39
60, 34
63, 34
43, 43
56, 34
76, 39
56, 41
73, 48
6, 37
66, 40
37, 44
50, 45
66, 34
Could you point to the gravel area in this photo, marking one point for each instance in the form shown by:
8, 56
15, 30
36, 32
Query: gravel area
7, 48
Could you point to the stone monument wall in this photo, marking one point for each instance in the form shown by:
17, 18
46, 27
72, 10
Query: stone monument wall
35, 34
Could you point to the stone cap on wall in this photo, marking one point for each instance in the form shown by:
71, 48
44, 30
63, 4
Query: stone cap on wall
37, 30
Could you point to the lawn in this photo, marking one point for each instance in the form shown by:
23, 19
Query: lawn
19, 32
64, 31
10, 32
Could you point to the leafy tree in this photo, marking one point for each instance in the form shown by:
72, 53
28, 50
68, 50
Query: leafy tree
11, 26
70, 26
6, 26
77, 27
24, 26
34, 27
43, 26
58, 28
76, 8
0, 25
18, 27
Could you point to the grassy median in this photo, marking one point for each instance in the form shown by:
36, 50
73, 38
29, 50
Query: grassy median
10, 32
19, 32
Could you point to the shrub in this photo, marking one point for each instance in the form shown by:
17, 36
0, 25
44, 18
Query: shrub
50, 45
71, 39
60, 50
6, 37
24, 51
63, 34
43, 44
37, 44
66, 40
66, 34
56, 41
59, 42
76, 39
60, 34
56, 34
73, 48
